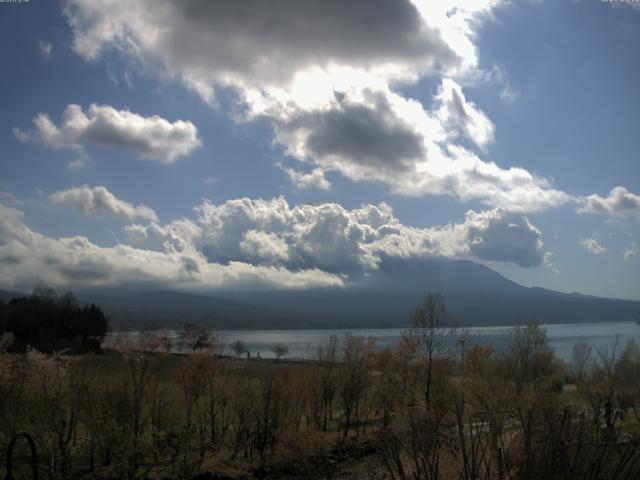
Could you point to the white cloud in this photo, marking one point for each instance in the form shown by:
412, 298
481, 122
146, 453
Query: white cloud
497, 76
619, 203
151, 138
461, 118
325, 236
10, 198
81, 161
99, 201
247, 243
45, 48
592, 245
313, 179
547, 260
264, 246
508, 94
377, 135
631, 252
209, 180
504, 236
176, 236
30, 258
335, 239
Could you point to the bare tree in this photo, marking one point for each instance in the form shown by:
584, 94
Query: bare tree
279, 350
357, 356
327, 383
272, 406
529, 355
194, 337
428, 332
580, 359
239, 348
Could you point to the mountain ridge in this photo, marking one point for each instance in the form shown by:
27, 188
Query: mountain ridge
474, 295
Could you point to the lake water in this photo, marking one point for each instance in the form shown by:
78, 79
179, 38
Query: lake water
303, 344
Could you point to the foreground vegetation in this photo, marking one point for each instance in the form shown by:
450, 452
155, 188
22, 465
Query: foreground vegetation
429, 408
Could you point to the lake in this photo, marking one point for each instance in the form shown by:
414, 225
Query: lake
303, 344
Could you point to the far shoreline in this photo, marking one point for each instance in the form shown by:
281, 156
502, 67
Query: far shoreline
348, 329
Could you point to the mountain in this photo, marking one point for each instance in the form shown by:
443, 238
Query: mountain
159, 309
6, 295
473, 293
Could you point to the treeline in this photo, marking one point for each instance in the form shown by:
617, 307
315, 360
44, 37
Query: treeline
432, 411
48, 323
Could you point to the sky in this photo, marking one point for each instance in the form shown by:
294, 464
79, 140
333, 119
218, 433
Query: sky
205, 145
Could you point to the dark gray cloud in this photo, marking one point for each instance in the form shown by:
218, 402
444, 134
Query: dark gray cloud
504, 237
367, 134
281, 32
216, 41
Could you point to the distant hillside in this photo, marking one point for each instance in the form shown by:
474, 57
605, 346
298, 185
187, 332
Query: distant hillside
6, 295
474, 295
159, 309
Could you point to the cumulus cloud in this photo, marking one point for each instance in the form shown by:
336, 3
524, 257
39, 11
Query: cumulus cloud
592, 245
335, 239
631, 252
176, 236
254, 243
151, 138
253, 45
504, 236
366, 133
29, 258
264, 246
326, 236
373, 134
619, 203
324, 72
98, 201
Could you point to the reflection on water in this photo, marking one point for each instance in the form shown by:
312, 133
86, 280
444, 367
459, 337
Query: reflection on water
303, 344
